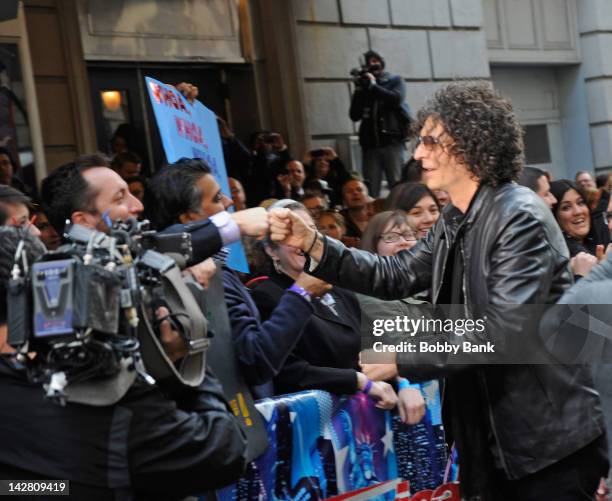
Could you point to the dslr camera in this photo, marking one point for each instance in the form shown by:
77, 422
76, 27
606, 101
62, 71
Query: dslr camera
88, 310
359, 74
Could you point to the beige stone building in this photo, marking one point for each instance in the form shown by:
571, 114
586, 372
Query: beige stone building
76, 68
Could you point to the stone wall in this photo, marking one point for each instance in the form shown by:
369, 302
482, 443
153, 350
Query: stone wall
428, 43
595, 26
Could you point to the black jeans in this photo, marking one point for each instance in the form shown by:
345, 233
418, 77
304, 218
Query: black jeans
573, 478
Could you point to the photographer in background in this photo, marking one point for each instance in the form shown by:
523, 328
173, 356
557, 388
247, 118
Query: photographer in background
145, 446
378, 102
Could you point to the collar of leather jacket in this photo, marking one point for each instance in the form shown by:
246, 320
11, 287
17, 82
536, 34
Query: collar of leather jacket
455, 220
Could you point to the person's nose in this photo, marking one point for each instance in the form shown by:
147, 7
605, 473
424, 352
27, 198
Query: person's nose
34, 231
135, 205
226, 201
428, 217
420, 153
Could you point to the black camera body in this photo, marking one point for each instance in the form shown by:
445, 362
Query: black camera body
359, 74
88, 306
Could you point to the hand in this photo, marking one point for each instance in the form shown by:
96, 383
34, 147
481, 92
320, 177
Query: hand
202, 272
411, 405
380, 372
278, 143
252, 222
288, 228
582, 263
188, 90
601, 254
370, 77
603, 491
174, 344
314, 286
330, 153
383, 394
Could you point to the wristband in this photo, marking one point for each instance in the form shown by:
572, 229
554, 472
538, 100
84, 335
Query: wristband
300, 291
313, 242
368, 387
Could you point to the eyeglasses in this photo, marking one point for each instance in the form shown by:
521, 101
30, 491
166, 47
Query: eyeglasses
393, 237
428, 141
607, 217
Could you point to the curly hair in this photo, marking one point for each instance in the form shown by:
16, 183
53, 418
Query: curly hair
487, 136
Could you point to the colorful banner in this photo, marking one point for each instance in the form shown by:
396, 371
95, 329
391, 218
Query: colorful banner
191, 130
322, 446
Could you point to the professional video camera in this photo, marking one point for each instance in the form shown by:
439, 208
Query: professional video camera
88, 309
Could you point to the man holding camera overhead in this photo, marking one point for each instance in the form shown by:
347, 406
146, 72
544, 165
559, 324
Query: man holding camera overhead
378, 102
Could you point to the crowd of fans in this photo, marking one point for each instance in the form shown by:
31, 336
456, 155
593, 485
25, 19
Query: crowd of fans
282, 345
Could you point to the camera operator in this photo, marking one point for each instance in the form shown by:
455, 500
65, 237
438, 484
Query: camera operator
378, 102
145, 446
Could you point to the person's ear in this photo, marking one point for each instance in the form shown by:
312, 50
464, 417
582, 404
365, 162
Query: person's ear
84, 219
188, 217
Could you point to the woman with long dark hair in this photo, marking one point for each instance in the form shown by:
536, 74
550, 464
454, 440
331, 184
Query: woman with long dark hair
574, 217
419, 202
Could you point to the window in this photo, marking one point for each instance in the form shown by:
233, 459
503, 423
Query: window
537, 148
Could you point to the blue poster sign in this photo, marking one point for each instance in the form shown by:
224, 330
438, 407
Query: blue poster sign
191, 130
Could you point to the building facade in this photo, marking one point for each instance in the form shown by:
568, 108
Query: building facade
285, 65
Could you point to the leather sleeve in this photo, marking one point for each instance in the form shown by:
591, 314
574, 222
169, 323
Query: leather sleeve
394, 277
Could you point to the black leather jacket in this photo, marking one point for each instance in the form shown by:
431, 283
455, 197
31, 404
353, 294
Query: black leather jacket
514, 253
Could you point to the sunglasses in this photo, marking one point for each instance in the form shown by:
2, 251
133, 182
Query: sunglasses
393, 237
428, 141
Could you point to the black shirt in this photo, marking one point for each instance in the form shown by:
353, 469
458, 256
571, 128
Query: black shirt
147, 446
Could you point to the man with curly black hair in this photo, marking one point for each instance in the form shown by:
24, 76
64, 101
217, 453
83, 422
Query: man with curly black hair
523, 432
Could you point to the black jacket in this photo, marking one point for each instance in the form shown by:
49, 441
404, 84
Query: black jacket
514, 254
327, 355
145, 447
384, 115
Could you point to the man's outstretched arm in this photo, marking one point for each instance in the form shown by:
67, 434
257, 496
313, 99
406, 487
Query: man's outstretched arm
393, 277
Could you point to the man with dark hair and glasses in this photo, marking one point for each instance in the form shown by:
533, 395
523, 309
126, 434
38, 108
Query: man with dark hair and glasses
523, 432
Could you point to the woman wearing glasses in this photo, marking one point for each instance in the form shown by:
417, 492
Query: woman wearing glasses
387, 234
